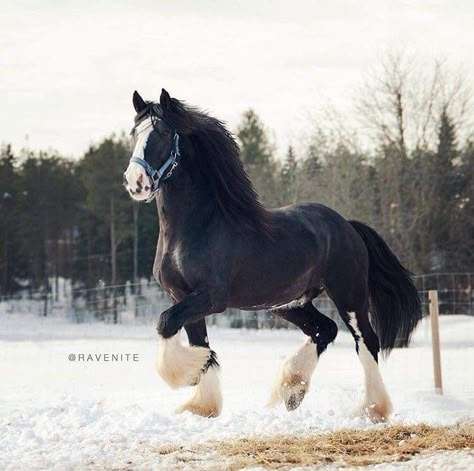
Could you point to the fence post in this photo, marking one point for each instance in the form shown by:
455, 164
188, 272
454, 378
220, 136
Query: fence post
434, 318
469, 294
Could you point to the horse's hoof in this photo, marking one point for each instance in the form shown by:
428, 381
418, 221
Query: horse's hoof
377, 413
291, 391
294, 400
293, 380
198, 409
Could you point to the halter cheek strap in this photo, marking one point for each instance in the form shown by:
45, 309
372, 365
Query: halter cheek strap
164, 172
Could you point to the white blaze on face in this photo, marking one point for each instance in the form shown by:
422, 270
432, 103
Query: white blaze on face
138, 183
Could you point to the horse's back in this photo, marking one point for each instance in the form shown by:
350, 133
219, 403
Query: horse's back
322, 221
339, 247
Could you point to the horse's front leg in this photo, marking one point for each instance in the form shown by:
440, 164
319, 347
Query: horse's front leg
196, 365
206, 399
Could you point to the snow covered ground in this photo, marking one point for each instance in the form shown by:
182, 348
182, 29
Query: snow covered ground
61, 414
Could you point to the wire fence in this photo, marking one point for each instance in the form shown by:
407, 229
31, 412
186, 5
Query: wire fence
143, 302
455, 292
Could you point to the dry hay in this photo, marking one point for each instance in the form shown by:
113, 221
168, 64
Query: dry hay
347, 447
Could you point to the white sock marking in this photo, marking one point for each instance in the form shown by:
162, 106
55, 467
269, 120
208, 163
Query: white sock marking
376, 402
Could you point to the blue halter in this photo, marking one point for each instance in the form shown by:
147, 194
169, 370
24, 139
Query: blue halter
166, 169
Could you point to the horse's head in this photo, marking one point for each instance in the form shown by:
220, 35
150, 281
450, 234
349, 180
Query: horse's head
156, 148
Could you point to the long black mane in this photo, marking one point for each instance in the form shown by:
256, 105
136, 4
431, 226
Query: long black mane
218, 157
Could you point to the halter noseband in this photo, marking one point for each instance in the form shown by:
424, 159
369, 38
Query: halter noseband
166, 170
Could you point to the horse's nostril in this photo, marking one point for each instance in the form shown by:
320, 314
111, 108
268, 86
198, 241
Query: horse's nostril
138, 190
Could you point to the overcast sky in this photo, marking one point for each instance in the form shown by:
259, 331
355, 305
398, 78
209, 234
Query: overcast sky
68, 69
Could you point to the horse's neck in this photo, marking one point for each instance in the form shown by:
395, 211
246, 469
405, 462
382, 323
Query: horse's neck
183, 205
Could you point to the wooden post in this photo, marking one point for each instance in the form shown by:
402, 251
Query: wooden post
434, 317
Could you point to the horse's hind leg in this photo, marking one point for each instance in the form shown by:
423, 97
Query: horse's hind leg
295, 375
207, 396
376, 402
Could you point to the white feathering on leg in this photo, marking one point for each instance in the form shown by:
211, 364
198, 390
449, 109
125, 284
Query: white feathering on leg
294, 377
207, 396
179, 365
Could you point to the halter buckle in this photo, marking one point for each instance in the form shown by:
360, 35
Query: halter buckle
173, 166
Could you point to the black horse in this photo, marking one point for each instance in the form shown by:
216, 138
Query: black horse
219, 247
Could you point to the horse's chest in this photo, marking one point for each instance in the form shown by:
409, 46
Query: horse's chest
170, 272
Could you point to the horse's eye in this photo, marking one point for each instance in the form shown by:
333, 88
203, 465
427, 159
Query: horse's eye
166, 133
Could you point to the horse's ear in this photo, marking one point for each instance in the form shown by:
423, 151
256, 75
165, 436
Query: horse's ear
165, 99
138, 102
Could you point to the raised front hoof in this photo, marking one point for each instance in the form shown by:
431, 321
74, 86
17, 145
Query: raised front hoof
180, 365
206, 400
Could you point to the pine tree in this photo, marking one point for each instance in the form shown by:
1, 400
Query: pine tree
288, 178
447, 150
446, 186
258, 156
101, 172
312, 163
8, 229
48, 199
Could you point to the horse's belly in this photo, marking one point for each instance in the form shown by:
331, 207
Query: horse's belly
268, 292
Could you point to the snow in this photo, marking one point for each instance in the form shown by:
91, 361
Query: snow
451, 460
62, 414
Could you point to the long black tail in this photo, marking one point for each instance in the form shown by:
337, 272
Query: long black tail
395, 303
